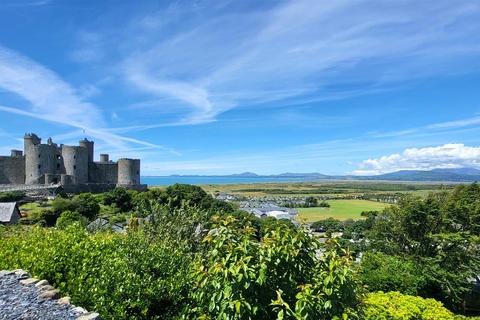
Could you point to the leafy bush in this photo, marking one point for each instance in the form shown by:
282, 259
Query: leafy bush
119, 197
48, 217
438, 234
119, 276
194, 195
381, 272
11, 196
395, 306
86, 205
68, 218
239, 277
60, 204
329, 224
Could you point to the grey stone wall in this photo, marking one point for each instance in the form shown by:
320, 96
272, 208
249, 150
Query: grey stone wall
24, 297
66, 179
89, 187
103, 172
52, 178
12, 170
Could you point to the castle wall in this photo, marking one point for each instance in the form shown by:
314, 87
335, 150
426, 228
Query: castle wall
103, 172
52, 178
75, 160
12, 170
128, 171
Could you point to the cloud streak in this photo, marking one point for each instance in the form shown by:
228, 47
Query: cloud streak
51, 99
215, 60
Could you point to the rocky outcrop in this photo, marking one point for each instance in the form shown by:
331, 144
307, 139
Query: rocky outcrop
24, 297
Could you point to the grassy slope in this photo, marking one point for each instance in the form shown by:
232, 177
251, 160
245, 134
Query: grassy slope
339, 209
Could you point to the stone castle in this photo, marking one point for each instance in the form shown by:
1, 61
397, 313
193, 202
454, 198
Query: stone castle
72, 167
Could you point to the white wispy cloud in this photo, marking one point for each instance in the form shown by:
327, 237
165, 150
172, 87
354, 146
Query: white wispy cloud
444, 156
51, 99
26, 3
434, 127
48, 95
213, 60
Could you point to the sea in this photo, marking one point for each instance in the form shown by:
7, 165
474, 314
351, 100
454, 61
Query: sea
169, 180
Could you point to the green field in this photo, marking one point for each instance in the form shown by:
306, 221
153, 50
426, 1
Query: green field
324, 188
339, 209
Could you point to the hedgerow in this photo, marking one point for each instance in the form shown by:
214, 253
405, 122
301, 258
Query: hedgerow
119, 276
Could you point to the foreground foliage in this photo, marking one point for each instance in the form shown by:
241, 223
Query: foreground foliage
438, 236
395, 306
194, 257
279, 276
143, 274
164, 271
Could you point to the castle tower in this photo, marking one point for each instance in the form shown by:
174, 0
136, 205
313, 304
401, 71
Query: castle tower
16, 153
75, 160
89, 145
104, 158
40, 159
128, 171
29, 140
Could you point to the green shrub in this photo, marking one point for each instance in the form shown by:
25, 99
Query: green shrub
69, 218
439, 235
381, 272
239, 277
396, 306
86, 205
11, 196
196, 196
48, 217
119, 197
329, 224
109, 211
119, 276
60, 204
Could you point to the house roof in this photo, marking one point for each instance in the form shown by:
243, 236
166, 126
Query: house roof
103, 224
7, 210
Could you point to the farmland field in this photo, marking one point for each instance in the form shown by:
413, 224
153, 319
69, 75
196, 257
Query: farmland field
324, 188
339, 209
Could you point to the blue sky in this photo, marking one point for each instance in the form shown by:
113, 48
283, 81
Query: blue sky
217, 87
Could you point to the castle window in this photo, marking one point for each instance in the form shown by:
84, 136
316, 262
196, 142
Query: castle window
58, 157
74, 157
58, 165
39, 155
74, 167
138, 172
39, 166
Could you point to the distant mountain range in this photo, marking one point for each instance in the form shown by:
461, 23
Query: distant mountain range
448, 175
